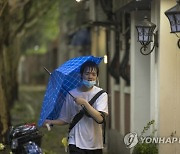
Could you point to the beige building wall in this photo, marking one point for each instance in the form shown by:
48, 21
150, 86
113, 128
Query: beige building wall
169, 82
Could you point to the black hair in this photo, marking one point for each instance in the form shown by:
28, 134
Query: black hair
89, 64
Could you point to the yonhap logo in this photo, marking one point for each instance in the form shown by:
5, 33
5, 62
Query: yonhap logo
131, 140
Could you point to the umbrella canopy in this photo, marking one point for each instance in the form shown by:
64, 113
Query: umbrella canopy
63, 79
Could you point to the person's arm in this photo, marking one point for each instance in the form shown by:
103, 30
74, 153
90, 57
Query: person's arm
93, 112
64, 117
55, 122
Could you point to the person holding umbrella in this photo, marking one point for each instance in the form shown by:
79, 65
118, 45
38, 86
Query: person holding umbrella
85, 136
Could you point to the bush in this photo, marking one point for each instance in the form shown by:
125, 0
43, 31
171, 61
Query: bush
146, 148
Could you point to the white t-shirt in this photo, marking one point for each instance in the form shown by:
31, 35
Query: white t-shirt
86, 134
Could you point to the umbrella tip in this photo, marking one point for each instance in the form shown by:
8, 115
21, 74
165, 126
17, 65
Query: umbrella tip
47, 70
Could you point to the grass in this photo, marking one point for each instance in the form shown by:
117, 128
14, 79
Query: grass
27, 110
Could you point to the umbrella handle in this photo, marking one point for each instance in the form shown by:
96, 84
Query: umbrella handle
48, 127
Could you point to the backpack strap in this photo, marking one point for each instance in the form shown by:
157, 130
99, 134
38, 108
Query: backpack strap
104, 126
81, 113
91, 102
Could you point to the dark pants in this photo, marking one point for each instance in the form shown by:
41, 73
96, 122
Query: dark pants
75, 150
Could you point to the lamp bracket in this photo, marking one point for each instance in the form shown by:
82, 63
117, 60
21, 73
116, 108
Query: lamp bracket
144, 48
178, 43
156, 39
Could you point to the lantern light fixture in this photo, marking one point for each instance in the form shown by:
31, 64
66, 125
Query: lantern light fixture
146, 35
173, 14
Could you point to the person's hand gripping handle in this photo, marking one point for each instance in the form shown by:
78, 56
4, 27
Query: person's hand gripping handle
48, 127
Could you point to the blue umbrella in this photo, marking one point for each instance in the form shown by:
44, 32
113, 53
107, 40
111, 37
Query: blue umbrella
63, 79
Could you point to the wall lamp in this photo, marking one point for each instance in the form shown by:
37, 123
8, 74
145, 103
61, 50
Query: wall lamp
145, 31
173, 15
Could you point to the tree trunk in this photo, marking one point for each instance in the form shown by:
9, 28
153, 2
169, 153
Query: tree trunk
11, 65
4, 111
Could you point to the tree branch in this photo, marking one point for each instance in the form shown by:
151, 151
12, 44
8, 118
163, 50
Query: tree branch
3, 7
30, 20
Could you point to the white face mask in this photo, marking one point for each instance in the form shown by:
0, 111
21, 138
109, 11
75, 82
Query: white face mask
88, 84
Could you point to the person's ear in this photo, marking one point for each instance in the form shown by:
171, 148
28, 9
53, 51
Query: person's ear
97, 81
